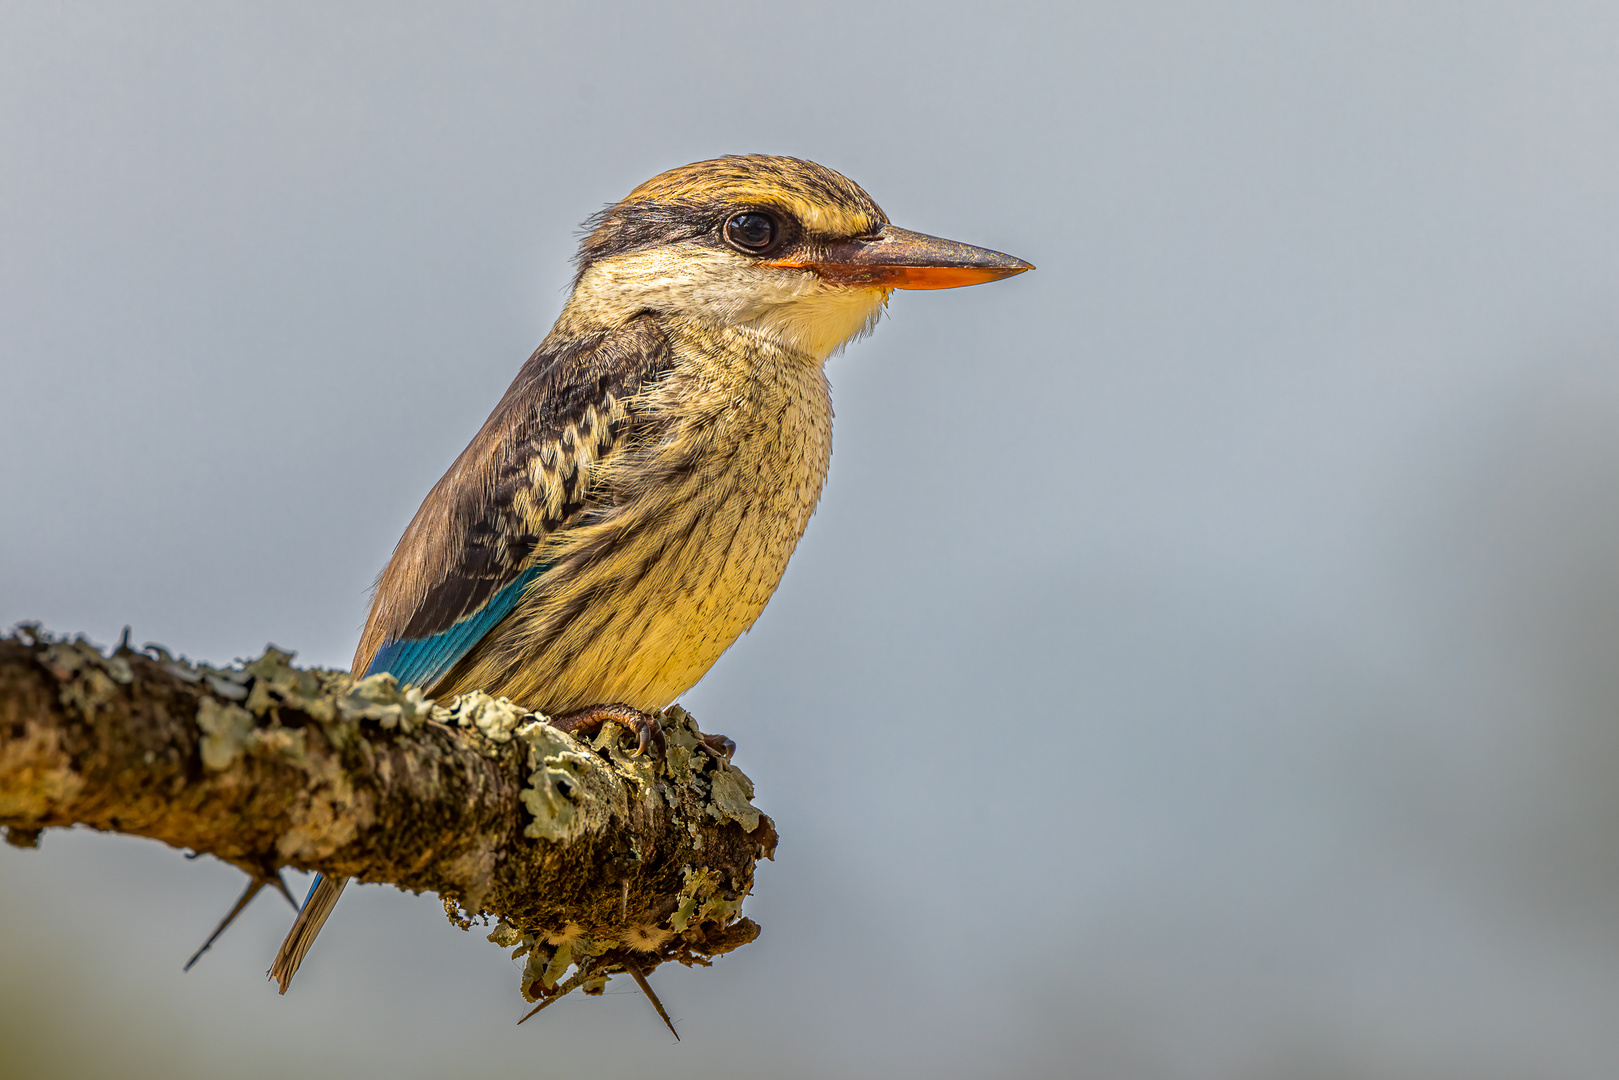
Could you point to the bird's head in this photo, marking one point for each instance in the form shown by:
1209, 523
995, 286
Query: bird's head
779, 246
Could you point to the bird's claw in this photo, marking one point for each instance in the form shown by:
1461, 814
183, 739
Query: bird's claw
718, 747
648, 732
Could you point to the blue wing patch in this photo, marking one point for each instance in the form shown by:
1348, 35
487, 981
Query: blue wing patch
424, 661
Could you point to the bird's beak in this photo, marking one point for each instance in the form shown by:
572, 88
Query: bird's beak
901, 259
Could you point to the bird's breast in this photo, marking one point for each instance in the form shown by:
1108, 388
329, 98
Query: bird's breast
697, 518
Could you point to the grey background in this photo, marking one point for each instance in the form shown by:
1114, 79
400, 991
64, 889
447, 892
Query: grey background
1202, 664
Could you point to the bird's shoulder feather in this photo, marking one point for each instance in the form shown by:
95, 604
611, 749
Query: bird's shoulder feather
467, 556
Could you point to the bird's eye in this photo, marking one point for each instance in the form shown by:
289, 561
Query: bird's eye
752, 232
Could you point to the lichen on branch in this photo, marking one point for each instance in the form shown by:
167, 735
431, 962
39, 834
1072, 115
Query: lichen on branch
588, 858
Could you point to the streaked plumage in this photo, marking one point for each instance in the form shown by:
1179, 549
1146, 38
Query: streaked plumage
651, 468
630, 505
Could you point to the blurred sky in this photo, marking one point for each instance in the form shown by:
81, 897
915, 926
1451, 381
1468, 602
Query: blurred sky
1204, 662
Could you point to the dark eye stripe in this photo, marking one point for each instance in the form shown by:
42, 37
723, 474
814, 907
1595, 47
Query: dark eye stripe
637, 226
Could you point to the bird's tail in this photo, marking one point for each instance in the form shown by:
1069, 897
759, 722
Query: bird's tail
318, 905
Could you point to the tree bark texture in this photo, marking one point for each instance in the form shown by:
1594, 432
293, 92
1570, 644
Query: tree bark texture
591, 859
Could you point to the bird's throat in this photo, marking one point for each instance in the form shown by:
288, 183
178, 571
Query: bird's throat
823, 321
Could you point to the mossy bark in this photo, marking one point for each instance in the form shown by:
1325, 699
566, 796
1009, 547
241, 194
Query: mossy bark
589, 857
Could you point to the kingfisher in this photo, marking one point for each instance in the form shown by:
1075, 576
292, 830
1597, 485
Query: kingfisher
629, 507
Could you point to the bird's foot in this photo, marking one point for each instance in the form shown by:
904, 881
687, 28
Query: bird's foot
255, 883
718, 747
648, 731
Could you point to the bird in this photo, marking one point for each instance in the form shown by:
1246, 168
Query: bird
630, 505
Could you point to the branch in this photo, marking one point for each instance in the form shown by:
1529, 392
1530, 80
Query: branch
589, 858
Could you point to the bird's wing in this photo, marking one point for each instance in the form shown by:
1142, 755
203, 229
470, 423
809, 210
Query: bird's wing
467, 557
